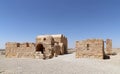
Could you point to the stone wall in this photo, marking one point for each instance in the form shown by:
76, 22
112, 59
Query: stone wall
53, 45
62, 39
20, 50
59, 38
90, 48
46, 46
109, 46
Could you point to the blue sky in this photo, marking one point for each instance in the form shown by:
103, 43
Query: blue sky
23, 20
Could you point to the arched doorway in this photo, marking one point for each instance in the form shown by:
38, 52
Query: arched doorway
40, 47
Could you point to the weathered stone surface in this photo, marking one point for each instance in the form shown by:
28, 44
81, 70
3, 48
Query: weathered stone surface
56, 49
62, 49
90, 48
55, 39
109, 46
54, 44
46, 46
20, 50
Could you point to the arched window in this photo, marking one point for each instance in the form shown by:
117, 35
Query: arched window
88, 46
44, 39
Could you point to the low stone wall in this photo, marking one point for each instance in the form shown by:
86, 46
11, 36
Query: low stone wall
20, 50
45, 46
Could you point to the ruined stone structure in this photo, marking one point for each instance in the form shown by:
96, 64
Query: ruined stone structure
91, 48
60, 39
46, 46
109, 46
20, 50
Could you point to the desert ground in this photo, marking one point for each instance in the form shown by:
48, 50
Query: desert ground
63, 64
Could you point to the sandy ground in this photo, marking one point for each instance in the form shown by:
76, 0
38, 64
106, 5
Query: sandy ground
64, 64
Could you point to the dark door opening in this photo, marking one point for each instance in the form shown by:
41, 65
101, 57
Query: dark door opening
40, 47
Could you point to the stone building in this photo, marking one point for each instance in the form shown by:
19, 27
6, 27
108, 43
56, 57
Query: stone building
46, 46
92, 48
59, 39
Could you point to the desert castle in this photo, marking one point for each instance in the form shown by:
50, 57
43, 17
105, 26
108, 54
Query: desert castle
46, 46
49, 46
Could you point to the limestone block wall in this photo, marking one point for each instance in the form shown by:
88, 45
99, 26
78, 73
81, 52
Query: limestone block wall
52, 50
45, 39
108, 46
90, 48
51, 47
59, 38
62, 49
62, 39
65, 43
45, 46
20, 50
38, 40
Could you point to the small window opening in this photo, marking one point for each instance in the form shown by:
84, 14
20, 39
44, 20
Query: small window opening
88, 46
44, 39
27, 44
18, 44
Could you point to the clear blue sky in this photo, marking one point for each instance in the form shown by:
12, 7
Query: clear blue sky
23, 20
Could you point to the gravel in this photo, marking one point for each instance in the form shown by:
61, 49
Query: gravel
63, 64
